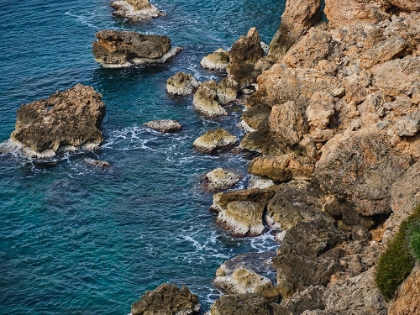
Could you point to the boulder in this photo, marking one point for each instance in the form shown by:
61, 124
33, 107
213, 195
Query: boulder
259, 182
66, 120
164, 125
358, 294
214, 140
346, 12
220, 179
227, 90
245, 74
167, 299
282, 168
297, 19
242, 280
116, 49
206, 100
221, 200
218, 60
294, 202
320, 110
406, 301
135, 10
240, 304
256, 115
181, 84
360, 167
247, 48
242, 218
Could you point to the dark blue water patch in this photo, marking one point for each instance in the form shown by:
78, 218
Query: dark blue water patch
79, 239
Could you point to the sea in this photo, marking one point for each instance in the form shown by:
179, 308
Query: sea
78, 239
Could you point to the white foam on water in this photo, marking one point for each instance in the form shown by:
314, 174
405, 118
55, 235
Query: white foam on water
85, 20
264, 243
128, 139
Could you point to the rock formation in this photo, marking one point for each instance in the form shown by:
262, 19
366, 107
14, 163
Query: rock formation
214, 140
135, 10
117, 49
65, 121
164, 125
181, 84
167, 299
220, 179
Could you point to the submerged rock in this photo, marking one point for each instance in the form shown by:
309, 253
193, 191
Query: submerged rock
164, 125
181, 84
167, 299
211, 141
97, 163
65, 121
135, 10
117, 49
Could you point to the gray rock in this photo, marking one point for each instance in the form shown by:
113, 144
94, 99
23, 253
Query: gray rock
307, 299
164, 125
240, 304
220, 179
135, 10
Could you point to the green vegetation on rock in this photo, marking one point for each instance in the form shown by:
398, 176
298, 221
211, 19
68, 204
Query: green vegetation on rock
396, 263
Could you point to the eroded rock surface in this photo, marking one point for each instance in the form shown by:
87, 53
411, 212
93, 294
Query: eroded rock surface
66, 120
181, 84
214, 140
135, 10
220, 179
164, 125
116, 49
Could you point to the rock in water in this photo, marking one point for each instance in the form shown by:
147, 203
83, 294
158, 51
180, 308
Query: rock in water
135, 10
117, 49
211, 141
167, 299
220, 179
181, 84
164, 125
65, 120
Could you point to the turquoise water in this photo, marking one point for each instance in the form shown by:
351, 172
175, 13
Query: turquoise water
75, 239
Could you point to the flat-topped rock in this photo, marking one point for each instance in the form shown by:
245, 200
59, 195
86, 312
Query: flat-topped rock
213, 140
164, 125
66, 120
135, 10
181, 84
117, 49
220, 179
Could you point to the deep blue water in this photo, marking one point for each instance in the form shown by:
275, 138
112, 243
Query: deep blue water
75, 239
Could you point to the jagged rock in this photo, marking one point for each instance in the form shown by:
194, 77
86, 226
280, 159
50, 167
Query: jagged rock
346, 12
227, 90
247, 48
65, 120
297, 19
406, 301
214, 140
256, 115
320, 110
167, 299
242, 218
135, 10
297, 271
288, 121
218, 60
406, 5
164, 125
259, 182
220, 179
360, 167
320, 234
282, 168
358, 294
308, 299
408, 125
116, 49
221, 200
181, 84
405, 196
309, 50
240, 304
206, 100
242, 280
245, 74
387, 76
295, 201
384, 51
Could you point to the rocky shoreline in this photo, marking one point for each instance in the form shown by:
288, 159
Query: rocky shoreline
331, 109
